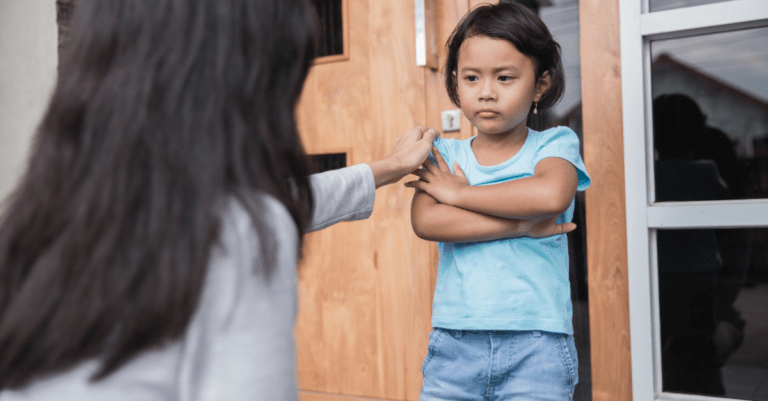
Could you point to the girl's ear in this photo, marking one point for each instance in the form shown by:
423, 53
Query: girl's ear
542, 85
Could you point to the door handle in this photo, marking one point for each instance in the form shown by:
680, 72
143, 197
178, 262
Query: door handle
426, 38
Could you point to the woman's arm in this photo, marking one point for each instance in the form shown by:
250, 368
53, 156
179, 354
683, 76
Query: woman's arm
347, 194
434, 221
548, 193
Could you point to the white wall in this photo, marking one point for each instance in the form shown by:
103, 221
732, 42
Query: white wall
28, 59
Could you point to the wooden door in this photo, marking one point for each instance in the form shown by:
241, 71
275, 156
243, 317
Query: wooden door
366, 287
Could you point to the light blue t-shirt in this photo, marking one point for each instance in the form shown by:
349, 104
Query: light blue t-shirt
508, 284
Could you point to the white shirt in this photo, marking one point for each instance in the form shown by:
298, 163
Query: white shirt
239, 344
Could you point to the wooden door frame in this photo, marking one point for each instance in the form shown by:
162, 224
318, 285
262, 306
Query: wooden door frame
605, 200
602, 115
621, 215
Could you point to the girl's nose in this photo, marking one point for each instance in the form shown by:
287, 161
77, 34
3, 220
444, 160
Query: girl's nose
487, 91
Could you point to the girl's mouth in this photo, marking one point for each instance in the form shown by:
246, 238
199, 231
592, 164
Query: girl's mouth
487, 113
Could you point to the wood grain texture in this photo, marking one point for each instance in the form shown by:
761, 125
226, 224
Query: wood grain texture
345, 35
447, 13
365, 289
313, 396
475, 3
605, 200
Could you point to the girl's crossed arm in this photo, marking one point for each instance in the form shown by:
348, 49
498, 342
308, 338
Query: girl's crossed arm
434, 221
548, 193
440, 213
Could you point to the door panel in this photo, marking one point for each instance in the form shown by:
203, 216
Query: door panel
365, 288
365, 292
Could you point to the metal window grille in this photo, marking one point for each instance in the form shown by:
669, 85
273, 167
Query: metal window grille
331, 41
328, 161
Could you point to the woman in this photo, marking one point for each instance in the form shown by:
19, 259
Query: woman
149, 253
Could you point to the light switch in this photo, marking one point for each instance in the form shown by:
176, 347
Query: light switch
451, 120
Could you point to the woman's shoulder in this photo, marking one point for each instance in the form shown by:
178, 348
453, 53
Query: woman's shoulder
250, 253
256, 216
257, 235
248, 305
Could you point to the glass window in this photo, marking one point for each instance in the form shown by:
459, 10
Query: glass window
710, 116
562, 19
327, 161
713, 304
331, 41
661, 5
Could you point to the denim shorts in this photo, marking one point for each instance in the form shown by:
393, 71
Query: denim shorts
499, 365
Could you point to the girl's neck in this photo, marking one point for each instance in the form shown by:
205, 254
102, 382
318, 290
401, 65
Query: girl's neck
492, 149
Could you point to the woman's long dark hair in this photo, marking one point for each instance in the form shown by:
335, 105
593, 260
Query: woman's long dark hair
163, 110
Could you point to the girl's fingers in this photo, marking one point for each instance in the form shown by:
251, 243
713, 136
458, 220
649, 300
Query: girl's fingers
420, 173
415, 184
458, 171
429, 166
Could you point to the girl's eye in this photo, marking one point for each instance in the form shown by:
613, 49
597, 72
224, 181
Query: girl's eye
505, 78
471, 78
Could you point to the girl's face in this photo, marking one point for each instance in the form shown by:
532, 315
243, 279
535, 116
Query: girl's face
497, 85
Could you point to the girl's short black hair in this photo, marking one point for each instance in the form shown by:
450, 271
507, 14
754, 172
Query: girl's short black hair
517, 25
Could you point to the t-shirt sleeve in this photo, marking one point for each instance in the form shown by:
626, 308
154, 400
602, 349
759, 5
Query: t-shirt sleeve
562, 142
445, 146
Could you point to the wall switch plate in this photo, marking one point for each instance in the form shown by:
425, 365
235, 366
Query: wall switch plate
451, 120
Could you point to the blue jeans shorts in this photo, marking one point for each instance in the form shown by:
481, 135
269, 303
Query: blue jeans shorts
499, 365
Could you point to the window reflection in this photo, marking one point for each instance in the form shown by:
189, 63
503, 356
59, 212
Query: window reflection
713, 301
710, 112
710, 136
562, 20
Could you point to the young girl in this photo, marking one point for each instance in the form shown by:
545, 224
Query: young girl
502, 309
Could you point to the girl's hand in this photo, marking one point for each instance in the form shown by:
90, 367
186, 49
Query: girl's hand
544, 228
438, 181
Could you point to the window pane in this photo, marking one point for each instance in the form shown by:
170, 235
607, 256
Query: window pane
713, 301
562, 19
331, 41
328, 161
710, 116
661, 5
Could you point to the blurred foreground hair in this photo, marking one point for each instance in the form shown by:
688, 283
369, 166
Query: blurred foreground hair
163, 111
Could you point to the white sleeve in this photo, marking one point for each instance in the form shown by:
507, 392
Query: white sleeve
345, 194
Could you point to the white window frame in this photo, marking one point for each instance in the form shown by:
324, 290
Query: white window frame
638, 28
